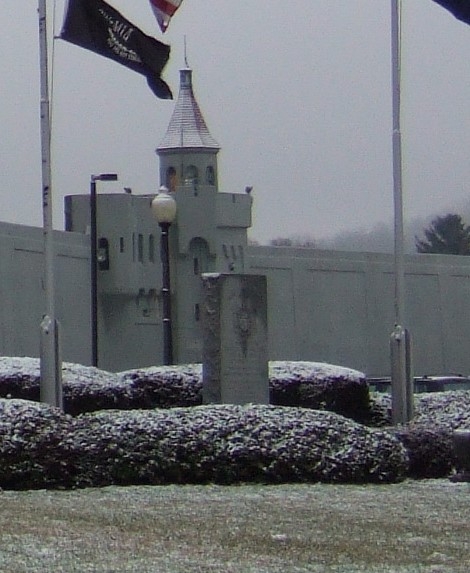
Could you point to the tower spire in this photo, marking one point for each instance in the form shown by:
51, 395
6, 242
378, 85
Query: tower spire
187, 128
185, 53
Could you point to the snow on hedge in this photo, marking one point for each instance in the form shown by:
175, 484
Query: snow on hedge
42, 447
450, 410
445, 410
166, 386
228, 443
312, 370
20, 378
22, 367
308, 384
428, 437
282, 370
31, 450
59, 458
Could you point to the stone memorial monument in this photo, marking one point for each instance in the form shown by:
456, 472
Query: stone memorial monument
235, 339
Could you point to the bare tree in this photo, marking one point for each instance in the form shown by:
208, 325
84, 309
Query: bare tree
294, 241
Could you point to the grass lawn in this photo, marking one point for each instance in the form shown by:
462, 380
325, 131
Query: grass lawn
416, 526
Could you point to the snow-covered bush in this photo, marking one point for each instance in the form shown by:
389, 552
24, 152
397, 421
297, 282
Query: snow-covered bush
32, 453
307, 384
320, 386
446, 410
65, 450
165, 386
41, 447
88, 389
85, 388
19, 378
230, 444
428, 437
430, 451
380, 410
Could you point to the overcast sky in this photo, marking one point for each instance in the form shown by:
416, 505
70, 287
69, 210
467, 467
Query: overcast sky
297, 94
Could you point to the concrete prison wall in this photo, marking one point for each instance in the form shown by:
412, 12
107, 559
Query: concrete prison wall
338, 307
23, 297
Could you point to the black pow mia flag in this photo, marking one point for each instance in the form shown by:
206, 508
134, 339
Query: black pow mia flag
96, 26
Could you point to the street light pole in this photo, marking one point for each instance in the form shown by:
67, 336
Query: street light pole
166, 296
94, 262
164, 209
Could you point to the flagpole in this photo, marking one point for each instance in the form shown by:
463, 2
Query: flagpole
51, 368
402, 384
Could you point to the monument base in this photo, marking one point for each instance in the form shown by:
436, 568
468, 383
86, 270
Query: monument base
235, 339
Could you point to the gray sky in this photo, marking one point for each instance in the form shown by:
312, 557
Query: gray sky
297, 94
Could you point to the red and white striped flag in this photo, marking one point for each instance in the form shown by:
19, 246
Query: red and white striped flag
164, 10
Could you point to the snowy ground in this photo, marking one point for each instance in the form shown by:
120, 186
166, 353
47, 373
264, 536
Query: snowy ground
412, 527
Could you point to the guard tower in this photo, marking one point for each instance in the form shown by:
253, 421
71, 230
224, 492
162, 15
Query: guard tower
209, 235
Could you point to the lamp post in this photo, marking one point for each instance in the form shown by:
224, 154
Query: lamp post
164, 210
94, 262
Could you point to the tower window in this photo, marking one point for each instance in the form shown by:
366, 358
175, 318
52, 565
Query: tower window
191, 175
171, 179
151, 248
196, 265
121, 244
140, 248
210, 175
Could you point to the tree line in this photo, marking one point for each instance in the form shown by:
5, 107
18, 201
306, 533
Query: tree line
446, 235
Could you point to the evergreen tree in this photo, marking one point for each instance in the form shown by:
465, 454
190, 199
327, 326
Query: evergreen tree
447, 236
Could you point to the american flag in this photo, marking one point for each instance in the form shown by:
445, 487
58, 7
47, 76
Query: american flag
164, 10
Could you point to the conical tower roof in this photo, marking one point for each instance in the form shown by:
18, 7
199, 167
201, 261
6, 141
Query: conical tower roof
187, 128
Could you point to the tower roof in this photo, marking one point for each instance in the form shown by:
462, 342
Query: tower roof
187, 128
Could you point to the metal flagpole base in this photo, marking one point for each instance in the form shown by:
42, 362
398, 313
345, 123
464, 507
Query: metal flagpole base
402, 378
51, 363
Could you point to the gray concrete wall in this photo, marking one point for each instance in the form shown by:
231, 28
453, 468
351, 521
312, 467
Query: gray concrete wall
209, 235
338, 307
129, 302
23, 297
